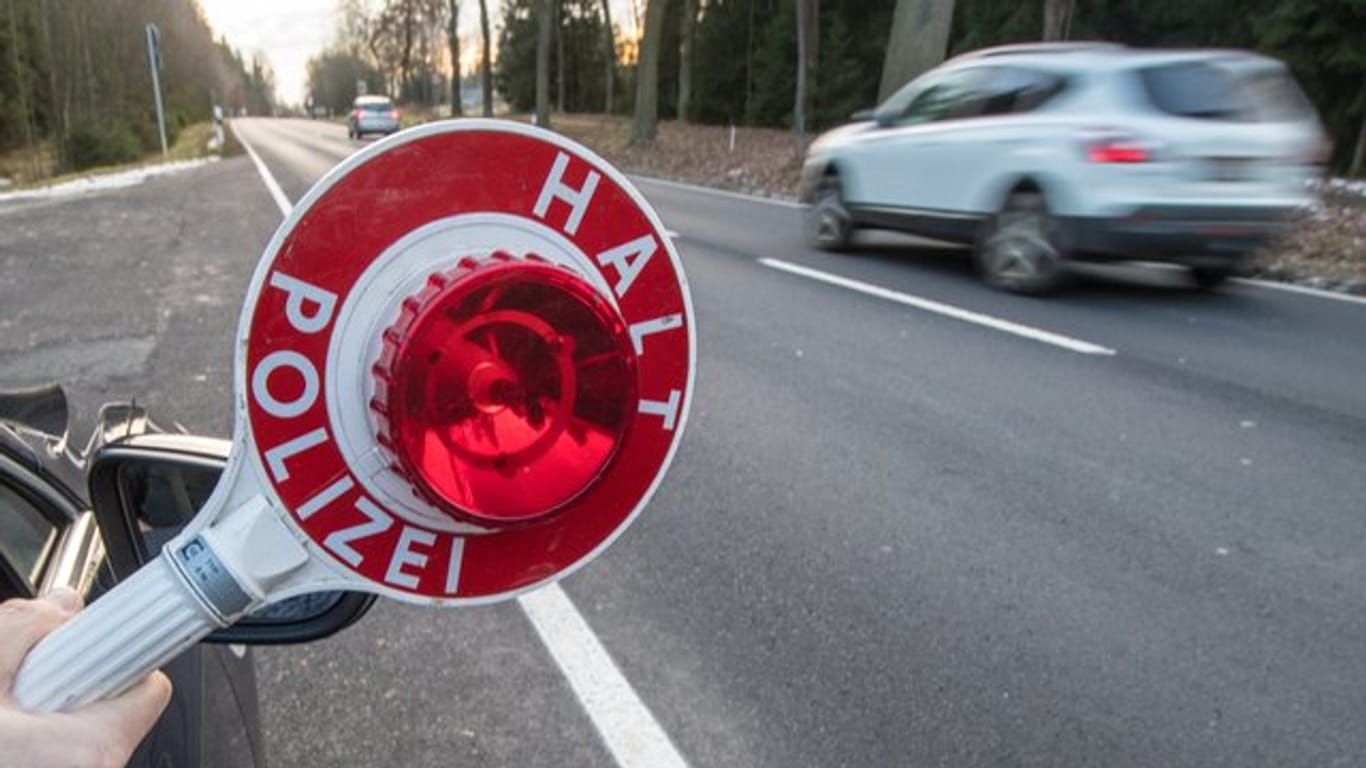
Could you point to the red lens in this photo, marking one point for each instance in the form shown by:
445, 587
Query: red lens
505, 389
1117, 152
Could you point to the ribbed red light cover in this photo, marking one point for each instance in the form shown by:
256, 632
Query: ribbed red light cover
504, 389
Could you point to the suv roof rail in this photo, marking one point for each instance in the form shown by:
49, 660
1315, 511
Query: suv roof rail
1027, 48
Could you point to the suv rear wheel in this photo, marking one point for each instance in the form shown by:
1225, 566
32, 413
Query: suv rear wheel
826, 220
1017, 251
1209, 278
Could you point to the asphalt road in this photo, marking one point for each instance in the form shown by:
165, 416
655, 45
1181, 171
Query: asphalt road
892, 537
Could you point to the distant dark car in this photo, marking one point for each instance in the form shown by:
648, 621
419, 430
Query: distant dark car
86, 518
371, 114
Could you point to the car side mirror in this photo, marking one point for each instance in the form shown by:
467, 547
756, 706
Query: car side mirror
145, 488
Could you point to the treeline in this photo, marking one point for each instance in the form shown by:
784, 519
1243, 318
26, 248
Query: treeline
77, 91
400, 48
736, 61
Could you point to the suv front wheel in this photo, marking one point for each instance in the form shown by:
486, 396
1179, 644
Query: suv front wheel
826, 220
1017, 250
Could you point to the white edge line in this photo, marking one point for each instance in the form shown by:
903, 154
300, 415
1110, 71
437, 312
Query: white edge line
1289, 287
712, 191
626, 726
1301, 289
631, 733
968, 316
272, 185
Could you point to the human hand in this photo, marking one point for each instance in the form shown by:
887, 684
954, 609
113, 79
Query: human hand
99, 735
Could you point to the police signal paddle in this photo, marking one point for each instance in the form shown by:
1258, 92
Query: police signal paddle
463, 365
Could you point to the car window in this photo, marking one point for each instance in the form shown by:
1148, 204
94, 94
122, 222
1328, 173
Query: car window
377, 106
26, 536
955, 97
1194, 89
1006, 91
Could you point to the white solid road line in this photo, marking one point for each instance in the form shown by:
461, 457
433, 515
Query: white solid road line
947, 310
1301, 289
1255, 283
630, 731
272, 186
720, 192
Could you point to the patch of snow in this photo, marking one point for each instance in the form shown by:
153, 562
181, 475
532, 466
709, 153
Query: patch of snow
104, 181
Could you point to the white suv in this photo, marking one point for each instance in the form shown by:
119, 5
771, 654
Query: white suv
1039, 154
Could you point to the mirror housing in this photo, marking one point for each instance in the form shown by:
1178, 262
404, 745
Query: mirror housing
863, 115
145, 487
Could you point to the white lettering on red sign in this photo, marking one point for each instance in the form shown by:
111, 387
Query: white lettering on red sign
260, 383
666, 408
629, 259
301, 295
405, 555
339, 541
453, 568
644, 328
275, 457
555, 189
324, 497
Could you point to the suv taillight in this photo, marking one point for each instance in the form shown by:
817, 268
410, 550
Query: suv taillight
1117, 150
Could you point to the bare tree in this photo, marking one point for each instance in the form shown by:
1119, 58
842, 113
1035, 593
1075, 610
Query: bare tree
560, 75
610, 48
918, 41
453, 43
803, 67
685, 44
647, 75
488, 58
1057, 18
545, 11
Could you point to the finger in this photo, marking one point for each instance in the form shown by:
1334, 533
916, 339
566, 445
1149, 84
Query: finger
22, 624
65, 598
128, 717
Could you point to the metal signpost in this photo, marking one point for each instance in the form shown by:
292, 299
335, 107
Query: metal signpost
463, 366
155, 64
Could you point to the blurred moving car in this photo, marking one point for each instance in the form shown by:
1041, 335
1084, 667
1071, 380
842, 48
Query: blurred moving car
1039, 154
371, 114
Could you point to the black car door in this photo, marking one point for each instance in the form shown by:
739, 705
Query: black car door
47, 540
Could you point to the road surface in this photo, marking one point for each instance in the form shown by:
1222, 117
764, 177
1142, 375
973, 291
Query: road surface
914, 522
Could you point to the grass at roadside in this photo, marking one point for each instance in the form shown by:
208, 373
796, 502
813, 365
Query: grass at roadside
37, 168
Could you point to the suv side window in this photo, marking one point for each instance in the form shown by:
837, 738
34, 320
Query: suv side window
954, 97
1011, 91
26, 537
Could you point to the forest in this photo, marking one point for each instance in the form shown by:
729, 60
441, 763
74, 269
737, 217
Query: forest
75, 74
76, 87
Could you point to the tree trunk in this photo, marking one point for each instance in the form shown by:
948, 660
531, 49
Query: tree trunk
488, 58
546, 12
1057, 18
559, 56
453, 42
1359, 153
406, 62
647, 75
799, 99
749, 60
918, 41
611, 51
685, 43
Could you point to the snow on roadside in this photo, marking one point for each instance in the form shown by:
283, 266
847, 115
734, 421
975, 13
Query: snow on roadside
103, 182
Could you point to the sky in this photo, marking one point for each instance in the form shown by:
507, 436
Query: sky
288, 32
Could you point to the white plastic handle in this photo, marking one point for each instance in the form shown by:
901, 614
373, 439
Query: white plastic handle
141, 624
